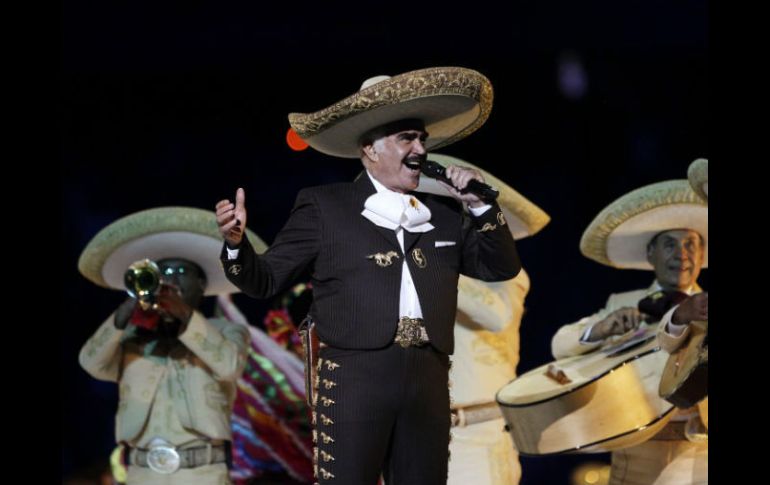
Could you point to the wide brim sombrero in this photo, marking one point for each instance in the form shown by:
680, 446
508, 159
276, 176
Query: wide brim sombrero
698, 176
452, 102
164, 232
618, 236
524, 218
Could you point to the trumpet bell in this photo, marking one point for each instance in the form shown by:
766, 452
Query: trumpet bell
142, 280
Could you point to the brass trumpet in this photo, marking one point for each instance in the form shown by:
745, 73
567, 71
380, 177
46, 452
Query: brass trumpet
143, 280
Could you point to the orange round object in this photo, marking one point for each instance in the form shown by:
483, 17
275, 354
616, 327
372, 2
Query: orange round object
294, 141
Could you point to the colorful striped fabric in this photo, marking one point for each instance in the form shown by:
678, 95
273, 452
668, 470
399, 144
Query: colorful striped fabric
271, 420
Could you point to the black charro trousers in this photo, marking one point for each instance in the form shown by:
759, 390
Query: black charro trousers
382, 411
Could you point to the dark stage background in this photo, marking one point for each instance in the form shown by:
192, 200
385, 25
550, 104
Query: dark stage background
179, 103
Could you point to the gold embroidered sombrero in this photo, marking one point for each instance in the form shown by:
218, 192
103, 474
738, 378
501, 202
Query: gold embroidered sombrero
523, 217
618, 236
698, 175
163, 232
452, 102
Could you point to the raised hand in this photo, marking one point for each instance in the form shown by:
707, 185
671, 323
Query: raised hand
460, 177
231, 218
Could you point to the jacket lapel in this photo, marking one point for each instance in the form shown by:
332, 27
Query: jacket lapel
410, 239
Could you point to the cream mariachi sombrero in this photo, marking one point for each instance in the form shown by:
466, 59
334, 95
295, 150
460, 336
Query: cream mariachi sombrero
163, 232
698, 175
452, 102
522, 216
618, 236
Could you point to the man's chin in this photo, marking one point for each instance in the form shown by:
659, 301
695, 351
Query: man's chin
683, 283
411, 178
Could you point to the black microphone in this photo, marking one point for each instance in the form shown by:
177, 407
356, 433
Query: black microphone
480, 189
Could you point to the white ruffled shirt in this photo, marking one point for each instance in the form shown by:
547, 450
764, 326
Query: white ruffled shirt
396, 211
393, 210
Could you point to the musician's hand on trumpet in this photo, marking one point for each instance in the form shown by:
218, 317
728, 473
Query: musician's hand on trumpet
170, 304
153, 297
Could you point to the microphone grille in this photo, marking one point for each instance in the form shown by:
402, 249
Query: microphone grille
433, 169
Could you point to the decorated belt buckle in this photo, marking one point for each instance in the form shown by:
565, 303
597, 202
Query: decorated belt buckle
408, 332
163, 459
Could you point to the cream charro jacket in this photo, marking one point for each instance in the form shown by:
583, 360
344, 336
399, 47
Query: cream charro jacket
566, 341
200, 372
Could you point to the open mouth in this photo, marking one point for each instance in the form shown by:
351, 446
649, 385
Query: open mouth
680, 268
412, 164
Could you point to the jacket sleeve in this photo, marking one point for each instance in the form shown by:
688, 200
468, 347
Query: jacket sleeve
566, 342
489, 252
295, 248
221, 347
492, 305
668, 341
101, 354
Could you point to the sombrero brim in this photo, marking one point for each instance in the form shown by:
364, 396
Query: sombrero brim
524, 218
698, 176
165, 232
618, 236
452, 102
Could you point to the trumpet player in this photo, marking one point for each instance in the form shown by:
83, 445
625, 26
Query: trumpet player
176, 369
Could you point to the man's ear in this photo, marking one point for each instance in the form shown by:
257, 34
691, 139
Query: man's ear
370, 152
650, 249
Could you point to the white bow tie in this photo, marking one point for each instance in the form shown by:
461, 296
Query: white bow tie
391, 210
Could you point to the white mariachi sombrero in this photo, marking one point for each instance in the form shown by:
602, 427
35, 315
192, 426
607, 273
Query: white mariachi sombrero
451, 102
698, 175
618, 236
523, 217
160, 233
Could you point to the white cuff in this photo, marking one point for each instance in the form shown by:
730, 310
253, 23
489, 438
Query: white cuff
587, 333
670, 327
674, 329
477, 211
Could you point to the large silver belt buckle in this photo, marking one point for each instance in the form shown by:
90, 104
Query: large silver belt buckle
163, 459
